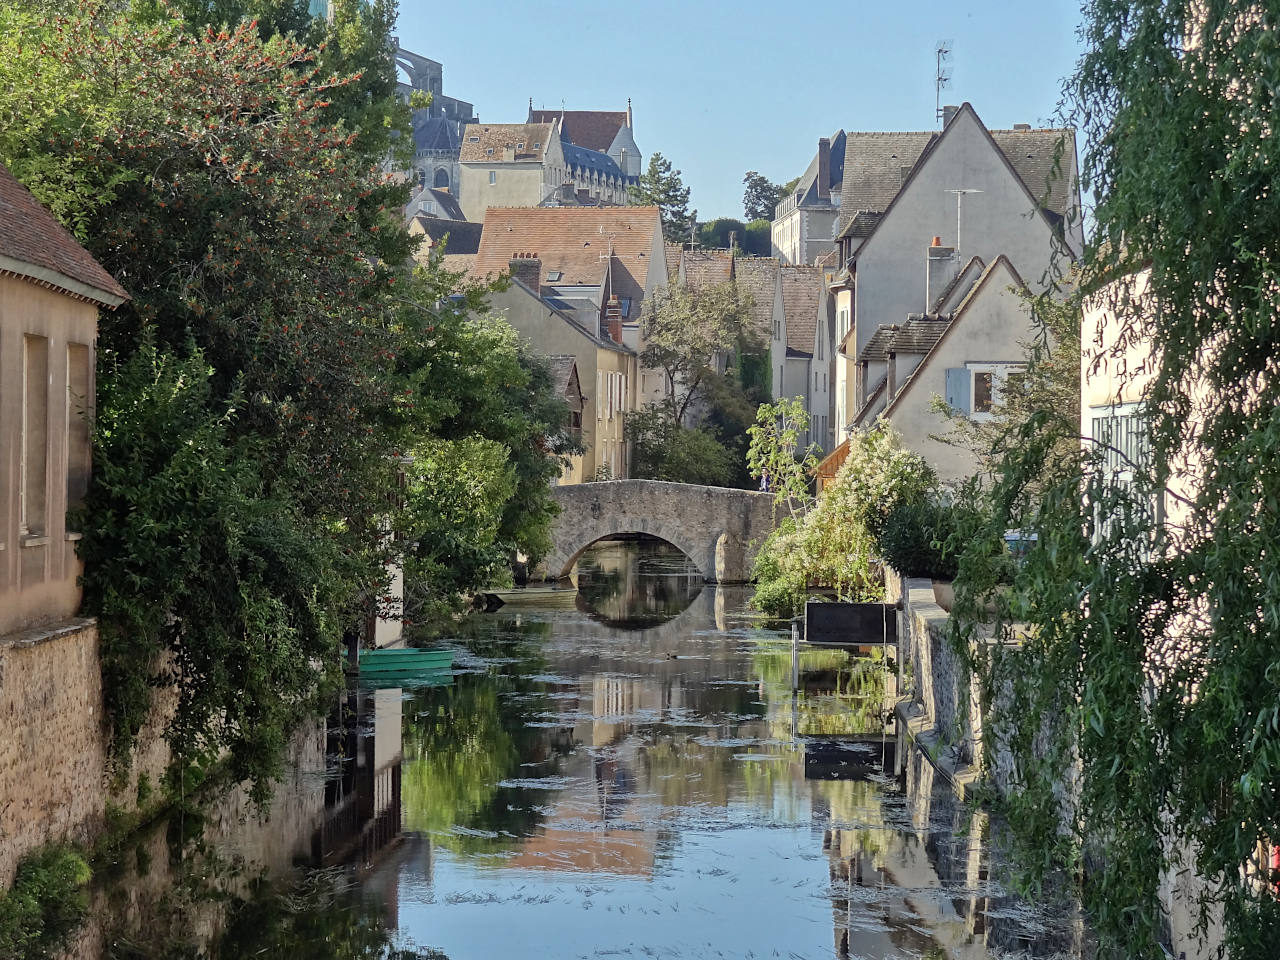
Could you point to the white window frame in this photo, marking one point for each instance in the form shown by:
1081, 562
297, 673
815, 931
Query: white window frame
999, 370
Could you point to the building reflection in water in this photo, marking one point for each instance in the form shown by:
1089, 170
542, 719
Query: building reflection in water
631, 588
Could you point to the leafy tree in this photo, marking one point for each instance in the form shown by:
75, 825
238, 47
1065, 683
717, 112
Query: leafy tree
1144, 676
660, 186
758, 239
761, 196
719, 234
663, 449
687, 334
775, 457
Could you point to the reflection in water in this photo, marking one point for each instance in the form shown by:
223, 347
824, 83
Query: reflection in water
637, 584
585, 788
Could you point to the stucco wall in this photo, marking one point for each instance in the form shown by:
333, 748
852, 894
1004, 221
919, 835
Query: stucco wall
38, 574
518, 185
1000, 219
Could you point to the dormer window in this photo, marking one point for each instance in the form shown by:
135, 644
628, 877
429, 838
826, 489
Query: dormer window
536, 144
519, 146
473, 139
489, 151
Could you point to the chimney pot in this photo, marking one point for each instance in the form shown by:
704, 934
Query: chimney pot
1022, 126
937, 242
527, 268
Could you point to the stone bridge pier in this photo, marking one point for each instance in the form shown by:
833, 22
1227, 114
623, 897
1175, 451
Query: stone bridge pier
718, 528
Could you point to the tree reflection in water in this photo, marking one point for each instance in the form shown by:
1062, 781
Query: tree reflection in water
633, 589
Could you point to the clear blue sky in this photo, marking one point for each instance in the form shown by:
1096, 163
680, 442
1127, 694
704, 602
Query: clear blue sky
721, 88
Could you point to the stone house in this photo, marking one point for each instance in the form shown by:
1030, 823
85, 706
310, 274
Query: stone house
804, 222
809, 326
605, 131
527, 164
984, 193
968, 350
51, 289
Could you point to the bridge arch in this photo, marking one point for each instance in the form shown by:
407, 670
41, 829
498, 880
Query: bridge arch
715, 527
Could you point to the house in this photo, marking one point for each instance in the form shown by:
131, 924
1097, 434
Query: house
554, 328
810, 332
434, 203
527, 164
568, 387
760, 278
987, 193
804, 222
969, 350
51, 289
457, 236
605, 131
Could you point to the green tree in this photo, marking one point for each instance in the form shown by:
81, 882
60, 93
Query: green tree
758, 239
663, 449
761, 196
1143, 673
688, 334
660, 186
721, 233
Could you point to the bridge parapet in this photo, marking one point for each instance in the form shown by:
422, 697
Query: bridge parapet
718, 528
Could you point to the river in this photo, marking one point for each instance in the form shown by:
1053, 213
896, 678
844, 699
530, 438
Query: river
628, 777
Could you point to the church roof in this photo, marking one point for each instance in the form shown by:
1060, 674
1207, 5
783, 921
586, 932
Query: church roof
801, 293
580, 158
593, 129
485, 143
36, 247
434, 133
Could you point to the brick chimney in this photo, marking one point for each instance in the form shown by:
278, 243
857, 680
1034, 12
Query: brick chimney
613, 319
527, 268
824, 169
941, 267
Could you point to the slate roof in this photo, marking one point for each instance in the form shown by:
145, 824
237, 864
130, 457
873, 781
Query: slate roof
478, 139
434, 133
593, 129
463, 236
808, 185
875, 166
706, 268
801, 293
758, 276
1031, 152
42, 250
917, 335
563, 371
571, 240
583, 159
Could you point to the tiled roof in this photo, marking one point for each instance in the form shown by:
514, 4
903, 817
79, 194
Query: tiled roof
459, 262
862, 223
562, 370
593, 129
673, 251
706, 268
463, 236
479, 139
445, 200
801, 293
573, 241
872, 397
434, 133
581, 158
916, 335
35, 246
758, 276
1032, 154
875, 166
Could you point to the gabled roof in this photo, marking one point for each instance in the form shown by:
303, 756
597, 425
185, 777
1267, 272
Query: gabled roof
36, 247
446, 201
479, 139
970, 298
917, 335
593, 129
961, 284
573, 241
1032, 153
801, 293
564, 371
706, 268
463, 236
808, 185
875, 167
758, 276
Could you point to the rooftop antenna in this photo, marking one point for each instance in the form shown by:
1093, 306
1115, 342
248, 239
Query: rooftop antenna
960, 195
942, 74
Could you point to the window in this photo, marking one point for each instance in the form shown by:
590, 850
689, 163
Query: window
474, 140
520, 146
625, 304
978, 388
1121, 434
554, 276
33, 476
489, 151
493, 177
536, 144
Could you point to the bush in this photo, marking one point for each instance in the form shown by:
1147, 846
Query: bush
915, 541
46, 903
662, 449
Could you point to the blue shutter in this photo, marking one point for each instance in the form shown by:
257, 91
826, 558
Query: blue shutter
958, 387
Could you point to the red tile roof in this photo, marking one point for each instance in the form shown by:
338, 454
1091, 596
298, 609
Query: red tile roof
35, 246
573, 241
593, 129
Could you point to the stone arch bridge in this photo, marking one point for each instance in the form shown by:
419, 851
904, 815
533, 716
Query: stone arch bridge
718, 528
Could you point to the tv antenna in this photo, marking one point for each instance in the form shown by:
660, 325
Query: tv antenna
942, 74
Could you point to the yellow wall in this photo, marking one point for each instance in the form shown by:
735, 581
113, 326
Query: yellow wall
39, 566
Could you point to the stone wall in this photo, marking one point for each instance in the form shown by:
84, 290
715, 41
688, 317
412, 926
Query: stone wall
53, 756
